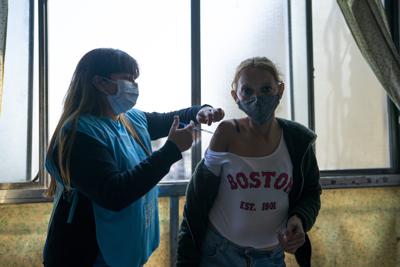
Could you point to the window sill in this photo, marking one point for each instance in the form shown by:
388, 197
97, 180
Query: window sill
23, 195
360, 181
33, 193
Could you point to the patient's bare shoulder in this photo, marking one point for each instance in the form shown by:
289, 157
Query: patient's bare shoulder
222, 136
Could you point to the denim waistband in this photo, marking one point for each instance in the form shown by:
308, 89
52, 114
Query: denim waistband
245, 250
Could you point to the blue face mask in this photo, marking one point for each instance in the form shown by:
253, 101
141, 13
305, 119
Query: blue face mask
125, 98
260, 108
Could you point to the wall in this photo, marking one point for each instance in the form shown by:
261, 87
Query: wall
356, 227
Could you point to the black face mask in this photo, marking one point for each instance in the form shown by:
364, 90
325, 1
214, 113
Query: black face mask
260, 108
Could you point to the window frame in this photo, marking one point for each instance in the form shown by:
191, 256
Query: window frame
32, 183
33, 190
360, 178
30, 88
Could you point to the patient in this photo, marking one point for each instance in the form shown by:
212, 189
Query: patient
257, 191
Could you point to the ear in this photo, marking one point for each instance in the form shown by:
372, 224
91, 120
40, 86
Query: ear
103, 85
234, 95
100, 84
281, 89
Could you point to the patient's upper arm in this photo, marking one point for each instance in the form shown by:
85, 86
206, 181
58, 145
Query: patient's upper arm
222, 136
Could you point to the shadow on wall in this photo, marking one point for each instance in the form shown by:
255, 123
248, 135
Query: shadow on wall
356, 227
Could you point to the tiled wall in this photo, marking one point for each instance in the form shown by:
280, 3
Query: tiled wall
356, 227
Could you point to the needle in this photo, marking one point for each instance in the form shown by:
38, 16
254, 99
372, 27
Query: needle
196, 128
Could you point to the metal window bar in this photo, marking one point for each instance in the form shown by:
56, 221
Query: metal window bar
43, 91
196, 72
310, 65
392, 13
30, 91
291, 80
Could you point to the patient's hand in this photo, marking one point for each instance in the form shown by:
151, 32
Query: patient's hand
294, 236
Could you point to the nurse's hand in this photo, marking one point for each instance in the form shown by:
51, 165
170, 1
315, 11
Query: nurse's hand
183, 138
208, 115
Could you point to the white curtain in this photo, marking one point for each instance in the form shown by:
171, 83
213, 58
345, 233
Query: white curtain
3, 35
368, 24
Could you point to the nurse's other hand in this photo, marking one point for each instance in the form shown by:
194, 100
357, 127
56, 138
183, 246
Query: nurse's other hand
183, 138
208, 115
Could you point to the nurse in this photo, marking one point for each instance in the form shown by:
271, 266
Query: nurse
103, 170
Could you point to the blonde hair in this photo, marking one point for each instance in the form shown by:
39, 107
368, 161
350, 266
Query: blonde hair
83, 98
255, 62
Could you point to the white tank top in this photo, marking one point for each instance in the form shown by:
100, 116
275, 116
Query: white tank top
253, 199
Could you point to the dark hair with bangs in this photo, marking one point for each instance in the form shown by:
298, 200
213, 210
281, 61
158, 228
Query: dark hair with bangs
107, 61
83, 98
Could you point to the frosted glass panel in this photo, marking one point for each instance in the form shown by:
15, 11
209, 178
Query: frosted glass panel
231, 31
300, 63
350, 104
155, 32
14, 114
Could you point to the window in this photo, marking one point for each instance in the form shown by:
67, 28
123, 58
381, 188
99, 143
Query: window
187, 53
248, 29
18, 157
351, 116
158, 38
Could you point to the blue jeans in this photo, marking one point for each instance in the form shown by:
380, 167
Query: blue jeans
217, 251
